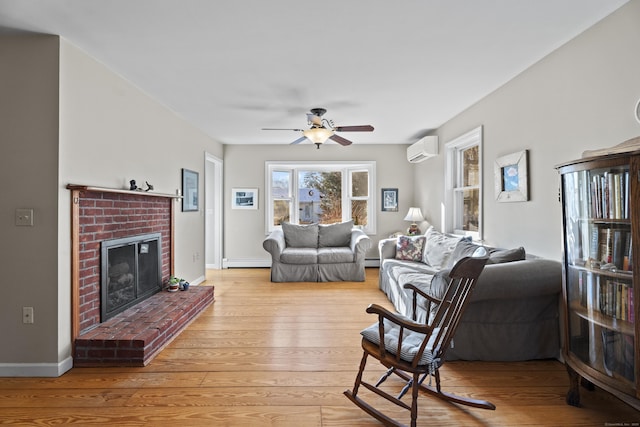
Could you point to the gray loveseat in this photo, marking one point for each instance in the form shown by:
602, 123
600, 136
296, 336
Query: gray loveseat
513, 313
317, 253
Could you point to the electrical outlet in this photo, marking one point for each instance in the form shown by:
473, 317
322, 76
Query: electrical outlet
24, 217
27, 314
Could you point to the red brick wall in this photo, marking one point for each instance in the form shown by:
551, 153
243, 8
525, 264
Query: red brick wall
105, 216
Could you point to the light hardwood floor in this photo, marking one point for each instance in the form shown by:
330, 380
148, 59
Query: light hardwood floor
281, 354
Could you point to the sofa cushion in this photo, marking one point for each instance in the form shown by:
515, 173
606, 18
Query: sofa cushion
299, 256
334, 235
506, 255
465, 248
438, 248
335, 255
409, 248
300, 236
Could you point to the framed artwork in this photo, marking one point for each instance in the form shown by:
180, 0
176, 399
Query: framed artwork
389, 200
511, 178
244, 198
190, 195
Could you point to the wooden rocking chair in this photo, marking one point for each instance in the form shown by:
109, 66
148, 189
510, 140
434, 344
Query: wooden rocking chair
414, 351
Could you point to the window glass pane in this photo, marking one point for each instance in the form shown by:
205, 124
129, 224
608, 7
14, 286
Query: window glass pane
360, 184
359, 212
281, 209
320, 195
280, 184
470, 167
471, 209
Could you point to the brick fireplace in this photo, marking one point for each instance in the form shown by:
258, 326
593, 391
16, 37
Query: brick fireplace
135, 335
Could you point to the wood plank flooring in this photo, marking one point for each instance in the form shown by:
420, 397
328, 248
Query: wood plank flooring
281, 354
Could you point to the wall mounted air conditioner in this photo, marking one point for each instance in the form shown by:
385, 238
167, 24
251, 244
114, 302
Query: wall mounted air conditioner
422, 150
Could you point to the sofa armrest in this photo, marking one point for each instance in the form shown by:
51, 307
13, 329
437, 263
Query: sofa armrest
519, 279
387, 248
360, 244
274, 244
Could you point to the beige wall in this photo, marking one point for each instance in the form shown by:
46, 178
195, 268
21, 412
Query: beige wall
245, 167
579, 97
100, 131
28, 179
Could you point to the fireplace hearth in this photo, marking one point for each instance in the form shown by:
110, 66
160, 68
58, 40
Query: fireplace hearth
130, 272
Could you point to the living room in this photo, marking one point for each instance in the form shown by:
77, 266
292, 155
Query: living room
75, 121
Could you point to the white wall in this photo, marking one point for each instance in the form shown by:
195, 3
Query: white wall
245, 167
580, 97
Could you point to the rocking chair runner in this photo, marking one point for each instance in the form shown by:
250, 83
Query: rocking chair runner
413, 351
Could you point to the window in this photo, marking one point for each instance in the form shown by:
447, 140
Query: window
463, 196
324, 192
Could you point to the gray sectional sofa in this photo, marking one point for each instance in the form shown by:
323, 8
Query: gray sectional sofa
513, 313
317, 253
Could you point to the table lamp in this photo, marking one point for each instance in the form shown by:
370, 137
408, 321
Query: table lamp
414, 215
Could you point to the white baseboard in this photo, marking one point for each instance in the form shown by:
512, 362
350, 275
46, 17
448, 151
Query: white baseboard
50, 370
197, 281
245, 263
254, 263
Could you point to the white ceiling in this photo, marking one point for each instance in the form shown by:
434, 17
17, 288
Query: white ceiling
232, 67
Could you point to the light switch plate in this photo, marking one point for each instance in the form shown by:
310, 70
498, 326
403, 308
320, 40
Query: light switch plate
24, 217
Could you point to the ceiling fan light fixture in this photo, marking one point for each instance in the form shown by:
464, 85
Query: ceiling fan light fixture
318, 135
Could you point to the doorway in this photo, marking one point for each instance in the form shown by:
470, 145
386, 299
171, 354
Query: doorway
213, 211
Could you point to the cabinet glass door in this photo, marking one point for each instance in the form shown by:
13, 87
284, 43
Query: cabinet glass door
599, 269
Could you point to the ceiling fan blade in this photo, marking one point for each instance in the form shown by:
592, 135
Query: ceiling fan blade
299, 140
297, 130
359, 128
340, 140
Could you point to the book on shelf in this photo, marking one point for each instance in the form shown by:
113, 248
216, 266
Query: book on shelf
609, 195
615, 299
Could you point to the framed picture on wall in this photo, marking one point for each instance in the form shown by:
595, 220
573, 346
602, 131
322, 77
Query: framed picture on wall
189, 190
511, 177
389, 200
244, 198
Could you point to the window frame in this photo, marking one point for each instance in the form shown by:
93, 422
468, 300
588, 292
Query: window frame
347, 168
453, 175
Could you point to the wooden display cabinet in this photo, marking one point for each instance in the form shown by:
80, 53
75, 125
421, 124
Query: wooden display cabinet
601, 233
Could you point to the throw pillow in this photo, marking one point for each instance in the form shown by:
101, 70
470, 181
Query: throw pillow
300, 236
335, 235
465, 248
507, 255
438, 248
409, 248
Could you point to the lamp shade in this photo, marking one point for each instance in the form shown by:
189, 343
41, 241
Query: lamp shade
414, 215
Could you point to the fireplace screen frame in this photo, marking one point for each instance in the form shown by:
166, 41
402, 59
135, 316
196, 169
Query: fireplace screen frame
140, 245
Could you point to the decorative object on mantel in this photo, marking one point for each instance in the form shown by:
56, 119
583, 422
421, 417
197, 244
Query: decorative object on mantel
149, 186
628, 146
414, 215
511, 177
132, 185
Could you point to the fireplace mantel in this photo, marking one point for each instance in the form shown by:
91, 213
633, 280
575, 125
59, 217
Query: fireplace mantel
119, 190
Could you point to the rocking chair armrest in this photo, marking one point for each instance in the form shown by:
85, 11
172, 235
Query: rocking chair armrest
398, 319
422, 293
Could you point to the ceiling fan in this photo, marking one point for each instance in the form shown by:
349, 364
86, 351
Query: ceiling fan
323, 129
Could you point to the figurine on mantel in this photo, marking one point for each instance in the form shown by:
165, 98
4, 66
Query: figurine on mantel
134, 187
